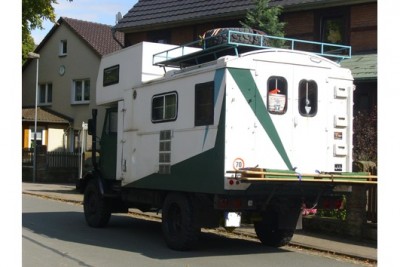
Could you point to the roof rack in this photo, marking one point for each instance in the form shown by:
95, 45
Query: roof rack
233, 42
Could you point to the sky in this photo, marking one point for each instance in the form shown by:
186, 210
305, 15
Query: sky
100, 11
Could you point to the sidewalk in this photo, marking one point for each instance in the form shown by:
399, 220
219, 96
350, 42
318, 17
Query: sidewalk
325, 243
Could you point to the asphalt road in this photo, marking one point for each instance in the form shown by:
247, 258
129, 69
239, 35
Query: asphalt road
54, 233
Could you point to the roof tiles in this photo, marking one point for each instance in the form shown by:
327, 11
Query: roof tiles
97, 36
44, 115
147, 13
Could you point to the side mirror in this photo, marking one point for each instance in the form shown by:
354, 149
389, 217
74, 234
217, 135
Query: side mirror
91, 127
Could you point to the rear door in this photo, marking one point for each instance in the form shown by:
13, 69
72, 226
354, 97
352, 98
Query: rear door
310, 119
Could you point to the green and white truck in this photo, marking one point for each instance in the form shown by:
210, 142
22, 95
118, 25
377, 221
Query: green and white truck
236, 132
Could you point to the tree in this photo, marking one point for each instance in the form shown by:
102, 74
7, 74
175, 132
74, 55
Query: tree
34, 12
266, 19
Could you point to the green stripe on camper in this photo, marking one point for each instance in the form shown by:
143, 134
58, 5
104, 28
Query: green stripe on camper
202, 173
248, 87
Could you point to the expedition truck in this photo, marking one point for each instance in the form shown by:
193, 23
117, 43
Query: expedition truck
221, 133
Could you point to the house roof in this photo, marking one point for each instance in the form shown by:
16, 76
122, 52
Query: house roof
44, 115
362, 67
152, 14
97, 36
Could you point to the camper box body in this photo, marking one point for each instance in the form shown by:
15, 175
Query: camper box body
186, 130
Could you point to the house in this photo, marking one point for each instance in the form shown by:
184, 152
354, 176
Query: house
70, 55
348, 22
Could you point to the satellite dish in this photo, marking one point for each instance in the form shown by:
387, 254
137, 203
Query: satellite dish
118, 17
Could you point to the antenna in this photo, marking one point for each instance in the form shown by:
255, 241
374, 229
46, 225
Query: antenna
118, 17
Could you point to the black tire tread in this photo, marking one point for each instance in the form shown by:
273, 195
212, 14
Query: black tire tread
188, 237
101, 215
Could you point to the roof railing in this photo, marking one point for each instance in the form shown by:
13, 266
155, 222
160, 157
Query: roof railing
233, 42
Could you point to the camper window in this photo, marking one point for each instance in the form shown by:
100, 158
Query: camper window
164, 107
204, 104
111, 75
277, 95
112, 123
308, 98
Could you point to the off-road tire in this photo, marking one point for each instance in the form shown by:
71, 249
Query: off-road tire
96, 208
178, 223
269, 234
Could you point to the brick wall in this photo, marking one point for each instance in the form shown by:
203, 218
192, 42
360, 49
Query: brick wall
364, 25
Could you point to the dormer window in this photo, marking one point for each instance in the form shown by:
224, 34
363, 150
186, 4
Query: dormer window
63, 48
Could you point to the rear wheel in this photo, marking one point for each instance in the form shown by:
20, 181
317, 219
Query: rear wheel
269, 233
96, 207
178, 223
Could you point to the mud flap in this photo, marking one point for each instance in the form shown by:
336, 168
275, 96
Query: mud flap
290, 219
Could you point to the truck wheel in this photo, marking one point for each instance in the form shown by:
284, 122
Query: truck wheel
96, 208
270, 235
178, 225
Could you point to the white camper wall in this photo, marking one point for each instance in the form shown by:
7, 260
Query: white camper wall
135, 67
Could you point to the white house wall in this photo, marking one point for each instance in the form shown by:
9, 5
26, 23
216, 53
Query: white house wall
55, 139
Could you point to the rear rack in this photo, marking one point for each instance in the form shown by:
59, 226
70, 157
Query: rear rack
236, 42
263, 175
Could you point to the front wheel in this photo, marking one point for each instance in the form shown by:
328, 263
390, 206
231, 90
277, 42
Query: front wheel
178, 223
96, 207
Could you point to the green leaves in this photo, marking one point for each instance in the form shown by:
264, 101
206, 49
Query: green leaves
266, 19
365, 135
34, 12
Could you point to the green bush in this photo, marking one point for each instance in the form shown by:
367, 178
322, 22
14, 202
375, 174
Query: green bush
365, 135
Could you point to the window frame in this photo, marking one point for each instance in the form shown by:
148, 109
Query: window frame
110, 72
63, 48
83, 86
342, 13
199, 110
48, 99
269, 94
314, 100
164, 107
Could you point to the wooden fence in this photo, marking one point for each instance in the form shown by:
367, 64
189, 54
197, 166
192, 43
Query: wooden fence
52, 159
62, 160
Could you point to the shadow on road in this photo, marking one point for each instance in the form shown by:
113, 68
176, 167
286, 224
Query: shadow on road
133, 235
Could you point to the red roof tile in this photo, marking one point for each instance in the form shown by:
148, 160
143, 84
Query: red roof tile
96, 35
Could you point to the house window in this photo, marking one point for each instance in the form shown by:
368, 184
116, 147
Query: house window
308, 98
162, 37
333, 26
164, 107
45, 94
63, 48
277, 91
81, 91
333, 30
204, 104
39, 136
